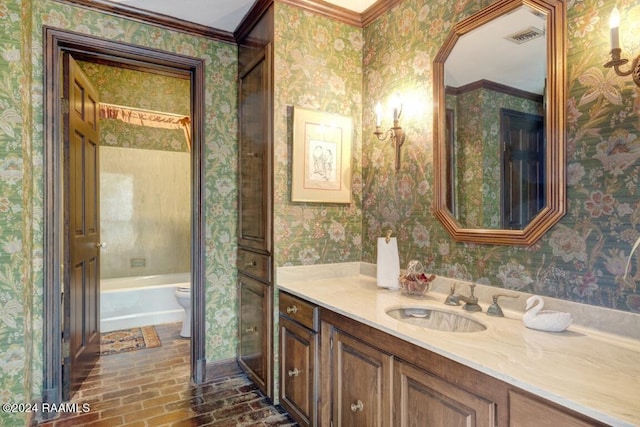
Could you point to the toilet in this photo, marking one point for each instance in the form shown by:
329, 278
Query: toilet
183, 295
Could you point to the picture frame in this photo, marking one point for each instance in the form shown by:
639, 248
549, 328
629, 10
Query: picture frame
321, 166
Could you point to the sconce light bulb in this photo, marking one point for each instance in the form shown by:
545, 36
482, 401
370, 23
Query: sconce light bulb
378, 114
396, 105
614, 23
614, 19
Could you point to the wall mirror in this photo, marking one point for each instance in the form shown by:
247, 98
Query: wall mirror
499, 123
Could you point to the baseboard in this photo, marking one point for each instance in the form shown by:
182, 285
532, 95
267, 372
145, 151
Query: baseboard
222, 368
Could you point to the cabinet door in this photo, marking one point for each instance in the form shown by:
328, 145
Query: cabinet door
297, 371
254, 342
361, 383
254, 162
422, 399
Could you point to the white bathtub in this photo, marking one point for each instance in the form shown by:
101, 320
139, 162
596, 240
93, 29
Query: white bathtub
129, 302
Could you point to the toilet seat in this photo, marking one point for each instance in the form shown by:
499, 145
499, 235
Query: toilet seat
184, 289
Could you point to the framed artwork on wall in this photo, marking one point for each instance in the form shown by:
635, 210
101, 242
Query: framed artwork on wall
321, 169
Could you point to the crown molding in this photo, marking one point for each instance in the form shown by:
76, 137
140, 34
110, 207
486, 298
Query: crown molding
157, 19
319, 7
377, 9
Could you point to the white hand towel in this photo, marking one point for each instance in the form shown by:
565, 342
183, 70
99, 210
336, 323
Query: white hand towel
388, 265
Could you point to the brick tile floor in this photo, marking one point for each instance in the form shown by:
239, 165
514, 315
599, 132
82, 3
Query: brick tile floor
151, 388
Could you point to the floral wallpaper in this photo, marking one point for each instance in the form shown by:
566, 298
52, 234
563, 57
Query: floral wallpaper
21, 180
318, 66
329, 66
580, 259
138, 89
20, 316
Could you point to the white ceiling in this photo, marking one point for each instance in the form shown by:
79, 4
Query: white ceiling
481, 54
485, 53
223, 15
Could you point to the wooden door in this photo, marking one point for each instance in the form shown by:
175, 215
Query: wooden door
422, 399
361, 384
523, 168
81, 142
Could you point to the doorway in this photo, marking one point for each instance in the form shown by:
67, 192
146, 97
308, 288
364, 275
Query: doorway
523, 168
57, 267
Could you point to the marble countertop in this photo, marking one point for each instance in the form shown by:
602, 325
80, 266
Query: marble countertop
589, 371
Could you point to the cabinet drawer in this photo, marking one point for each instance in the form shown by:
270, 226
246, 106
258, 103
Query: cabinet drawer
531, 411
254, 264
299, 310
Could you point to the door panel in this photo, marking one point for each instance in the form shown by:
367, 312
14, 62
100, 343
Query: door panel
82, 315
423, 399
255, 153
523, 169
361, 378
254, 345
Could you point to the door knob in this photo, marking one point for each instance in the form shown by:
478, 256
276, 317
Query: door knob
294, 372
358, 406
101, 245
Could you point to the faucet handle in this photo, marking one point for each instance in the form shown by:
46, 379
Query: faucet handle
471, 303
472, 287
452, 298
494, 309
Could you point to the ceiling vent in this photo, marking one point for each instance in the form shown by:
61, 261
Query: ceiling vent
525, 35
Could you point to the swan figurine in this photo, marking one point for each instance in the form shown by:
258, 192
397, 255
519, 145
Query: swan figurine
544, 320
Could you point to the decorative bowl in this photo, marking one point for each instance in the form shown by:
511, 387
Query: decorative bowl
416, 285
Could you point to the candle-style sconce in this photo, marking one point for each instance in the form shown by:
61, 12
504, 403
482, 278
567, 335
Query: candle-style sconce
616, 60
395, 134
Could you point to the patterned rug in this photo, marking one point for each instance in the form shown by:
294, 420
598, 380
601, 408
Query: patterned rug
129, 340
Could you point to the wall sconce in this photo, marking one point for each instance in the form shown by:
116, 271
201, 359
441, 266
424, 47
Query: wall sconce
395, 134
616, 61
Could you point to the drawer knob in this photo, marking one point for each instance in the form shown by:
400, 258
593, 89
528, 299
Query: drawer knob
358, 406
251, 330
292, 310
294, 372
251, 263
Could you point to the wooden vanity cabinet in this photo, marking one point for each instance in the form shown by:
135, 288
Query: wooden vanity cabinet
376, 379
298, 358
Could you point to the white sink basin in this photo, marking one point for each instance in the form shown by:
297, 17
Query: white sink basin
436, 319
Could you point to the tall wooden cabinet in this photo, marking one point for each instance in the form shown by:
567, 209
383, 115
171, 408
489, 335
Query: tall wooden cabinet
254, 262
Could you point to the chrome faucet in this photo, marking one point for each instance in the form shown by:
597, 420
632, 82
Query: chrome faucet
471, 302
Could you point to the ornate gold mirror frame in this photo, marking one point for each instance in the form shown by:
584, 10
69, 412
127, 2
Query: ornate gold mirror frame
555, 207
